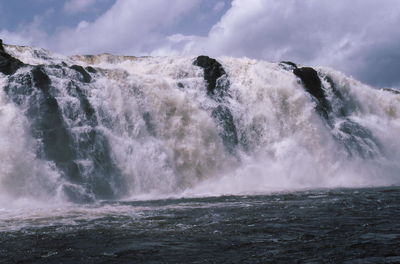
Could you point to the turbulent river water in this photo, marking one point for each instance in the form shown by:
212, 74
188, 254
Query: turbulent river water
325, 226
194, 160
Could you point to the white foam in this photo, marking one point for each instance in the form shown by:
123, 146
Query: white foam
286, 145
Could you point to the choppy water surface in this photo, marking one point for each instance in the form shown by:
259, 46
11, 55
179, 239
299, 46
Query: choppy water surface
327, 226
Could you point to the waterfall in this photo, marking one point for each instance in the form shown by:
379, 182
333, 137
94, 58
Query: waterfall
86, 128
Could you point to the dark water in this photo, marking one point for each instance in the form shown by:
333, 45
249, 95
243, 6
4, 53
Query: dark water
325, 226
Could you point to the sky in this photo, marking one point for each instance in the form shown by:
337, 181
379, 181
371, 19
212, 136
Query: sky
358, 37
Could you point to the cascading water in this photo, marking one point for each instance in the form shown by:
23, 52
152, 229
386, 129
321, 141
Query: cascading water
83, 128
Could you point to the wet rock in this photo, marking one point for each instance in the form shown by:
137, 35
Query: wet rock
8, 64
217, 87
106, 177
74, 90
312, 84
391, 90
288, 65
214, 75
40, 79
149, 123
223, 117
48, 125
91, 69
1, 46
358, 140
84, 76
339, 104
311, 81
50, 122
59, 143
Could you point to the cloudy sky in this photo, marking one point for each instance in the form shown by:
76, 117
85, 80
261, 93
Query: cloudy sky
359, 37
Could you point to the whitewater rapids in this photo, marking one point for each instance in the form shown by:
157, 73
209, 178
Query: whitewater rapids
144, 128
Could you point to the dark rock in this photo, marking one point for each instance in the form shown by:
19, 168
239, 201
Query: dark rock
149, 123
311, 81
213, 71
8, 64
58, 142
288, 65
391, 90
358, 140
312, 84
329, 80
340, 106
217, 87
40, 79
47, 124
84, 76
72, 169
91, 145
223, 117
106, 176
75, 91
91, 69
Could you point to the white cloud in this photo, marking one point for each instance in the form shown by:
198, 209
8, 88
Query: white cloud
297, 29
360, 37
77, 6
28, 34
127, 27
15, 38
349, 35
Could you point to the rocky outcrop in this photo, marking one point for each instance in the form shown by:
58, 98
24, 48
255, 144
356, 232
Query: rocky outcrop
8, 64
356, 139
223, 117
217, 88
288, 65
84, 76
33, 89
148, 121
214, 75
49, 120
391, 90
312, 84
